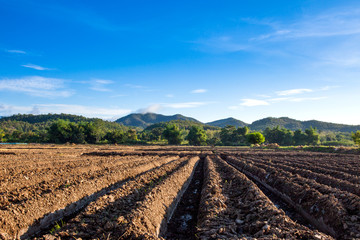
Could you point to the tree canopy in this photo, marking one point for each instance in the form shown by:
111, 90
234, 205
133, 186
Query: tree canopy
255, 138
197, 136
356, 137
172, 134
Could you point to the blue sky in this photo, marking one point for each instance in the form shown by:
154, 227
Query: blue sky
204, 59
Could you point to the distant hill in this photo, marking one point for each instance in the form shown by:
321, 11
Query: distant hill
147, 119
227, 121
30, 122
294, 124
30, 118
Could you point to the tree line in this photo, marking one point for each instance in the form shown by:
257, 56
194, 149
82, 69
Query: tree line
101, 132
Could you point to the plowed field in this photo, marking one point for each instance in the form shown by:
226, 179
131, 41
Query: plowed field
117, 192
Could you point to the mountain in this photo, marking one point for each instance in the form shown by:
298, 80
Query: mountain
145, 120
227, 121
294, 124
30, 118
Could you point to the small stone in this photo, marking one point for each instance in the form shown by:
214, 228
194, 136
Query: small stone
345, 226
266, 227
239, 221
49, 237
111, 198
317, 236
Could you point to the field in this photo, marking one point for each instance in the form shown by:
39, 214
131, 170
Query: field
117, 192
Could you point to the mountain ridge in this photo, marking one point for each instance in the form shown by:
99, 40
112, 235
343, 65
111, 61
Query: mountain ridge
145, 120
258, 125
227, 121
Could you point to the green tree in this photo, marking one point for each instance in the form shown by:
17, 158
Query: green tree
2, 134
255, 138
115, 136
131, 136
299, 137
197, 136
356, 137
281, 136
312, 136
239, 135
172, 134
60, 131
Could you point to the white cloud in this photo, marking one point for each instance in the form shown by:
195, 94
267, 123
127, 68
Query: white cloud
7, 110
169, 95
329, 38
154, 108
293, 91
185, 105
334, 22
15, 51
199, 91
36, 86
100, 85
87, 111
253, 102
36, 67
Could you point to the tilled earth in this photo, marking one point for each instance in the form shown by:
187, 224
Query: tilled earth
121, 192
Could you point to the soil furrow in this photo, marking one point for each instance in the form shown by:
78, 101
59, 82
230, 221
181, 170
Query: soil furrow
233, 207
182, 224
109, 212
32, 212
331, 210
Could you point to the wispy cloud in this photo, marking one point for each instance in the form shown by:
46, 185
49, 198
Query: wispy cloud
334, 22
7, 110
36, 67
285, 96
253, 102
87, 111
169, 95
199, 91
36, 86
15, 51
100, 85
293, 91
153, 108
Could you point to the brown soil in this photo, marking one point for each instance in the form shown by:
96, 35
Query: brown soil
235, 208
125, 192
330, 209
182, 224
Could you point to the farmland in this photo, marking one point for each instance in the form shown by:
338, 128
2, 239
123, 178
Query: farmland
123, 192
